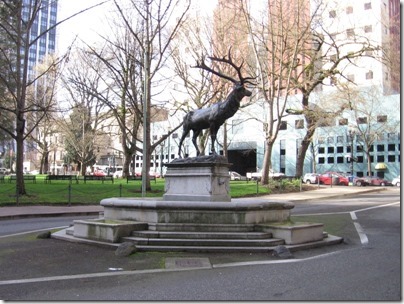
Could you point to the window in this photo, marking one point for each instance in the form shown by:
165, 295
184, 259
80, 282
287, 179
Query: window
368, 5
382, 118
283, 125
349, 10
330, 150
340, 149
330, 160
340, 139
321, 160
348, 149
359, 149
299, 124
391, 158
321, 150
332, 14
343, 122
369, 75
340, 160
330, 140
391, 136
350, 33
321, 140
368, 28
391, 147
359, 159
380, 158
380, 148
362, 120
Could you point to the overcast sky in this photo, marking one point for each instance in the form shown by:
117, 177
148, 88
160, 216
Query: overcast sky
88, 24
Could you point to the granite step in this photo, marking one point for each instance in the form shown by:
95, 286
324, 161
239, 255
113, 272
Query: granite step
204, 242
201, 235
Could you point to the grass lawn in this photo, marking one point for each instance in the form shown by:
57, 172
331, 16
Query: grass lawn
63, 193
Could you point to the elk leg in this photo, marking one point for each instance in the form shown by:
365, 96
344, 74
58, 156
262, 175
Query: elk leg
194, 138
213, 133
184, 134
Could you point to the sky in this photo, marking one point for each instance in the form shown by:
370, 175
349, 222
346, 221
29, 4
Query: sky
87, 25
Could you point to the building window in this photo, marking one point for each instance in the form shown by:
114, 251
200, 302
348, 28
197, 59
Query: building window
380, 136
330, 140
321, 140
359, 149
380, 148
340, 149
359, 159
369, 75
349, 10
350, 33
340, 139
321, 150
368, 28
321, 160
368, 5
330, 160
343, 122
299, 124
391, 147
330, 150
348, 149
283, 125
382, 118
391, 136
340, 160
362, 120
391, 158
333, 14
380, 158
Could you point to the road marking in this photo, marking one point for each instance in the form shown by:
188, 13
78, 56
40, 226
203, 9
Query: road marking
32, 231
147, 271
362, 235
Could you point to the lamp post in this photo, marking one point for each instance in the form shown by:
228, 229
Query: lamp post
351, 134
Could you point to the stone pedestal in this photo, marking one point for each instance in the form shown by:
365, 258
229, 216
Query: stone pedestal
198, 179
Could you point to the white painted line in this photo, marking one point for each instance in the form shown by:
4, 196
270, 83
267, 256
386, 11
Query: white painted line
362, 235
32, 231
375, 207
353, 215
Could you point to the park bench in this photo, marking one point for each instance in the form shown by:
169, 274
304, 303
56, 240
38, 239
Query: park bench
26, 178
70, 178
97, 178
135, 177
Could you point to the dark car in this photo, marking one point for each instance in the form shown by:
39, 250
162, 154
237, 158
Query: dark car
377, 181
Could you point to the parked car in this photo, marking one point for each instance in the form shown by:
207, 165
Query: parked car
310, 178
377, 181
99, 173
118, 174
258, 175
396, 181
329, 178
234, 175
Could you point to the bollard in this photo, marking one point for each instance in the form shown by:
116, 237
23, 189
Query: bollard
120, 190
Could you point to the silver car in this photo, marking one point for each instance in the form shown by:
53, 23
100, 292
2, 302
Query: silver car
310, 178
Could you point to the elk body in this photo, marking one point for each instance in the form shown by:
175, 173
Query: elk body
214, 116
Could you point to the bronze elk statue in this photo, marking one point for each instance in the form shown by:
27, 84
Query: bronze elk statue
213, 117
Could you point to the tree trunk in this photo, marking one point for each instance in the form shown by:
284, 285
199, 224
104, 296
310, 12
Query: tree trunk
20, 185
302, 151
267, 163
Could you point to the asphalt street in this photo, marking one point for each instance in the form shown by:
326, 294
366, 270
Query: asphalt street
359, 269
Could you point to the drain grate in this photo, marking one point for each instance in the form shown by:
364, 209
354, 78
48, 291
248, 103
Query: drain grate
172, 263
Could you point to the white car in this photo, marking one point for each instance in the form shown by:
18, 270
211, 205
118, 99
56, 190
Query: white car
310, 178
118, 174
396, 181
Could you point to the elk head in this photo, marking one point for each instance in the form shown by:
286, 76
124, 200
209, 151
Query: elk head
239, 85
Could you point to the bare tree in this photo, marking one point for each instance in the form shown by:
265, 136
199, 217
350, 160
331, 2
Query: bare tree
17, 28
156, 24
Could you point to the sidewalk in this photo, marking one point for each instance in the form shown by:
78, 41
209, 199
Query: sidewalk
13, 212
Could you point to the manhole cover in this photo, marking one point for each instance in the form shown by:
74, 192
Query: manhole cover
187, 263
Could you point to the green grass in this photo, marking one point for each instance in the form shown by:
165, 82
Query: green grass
91, 193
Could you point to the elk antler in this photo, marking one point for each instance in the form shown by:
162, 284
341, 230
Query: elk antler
229, 61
